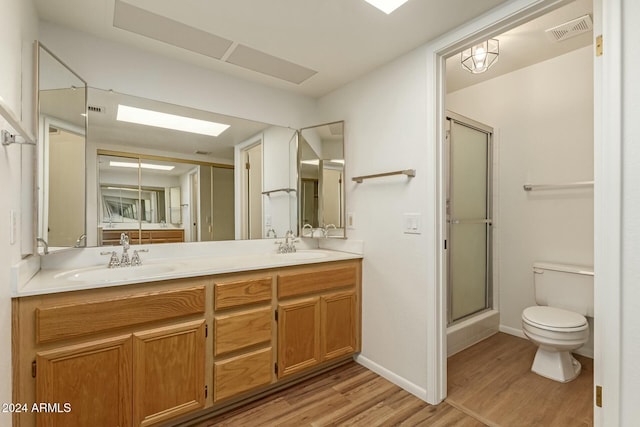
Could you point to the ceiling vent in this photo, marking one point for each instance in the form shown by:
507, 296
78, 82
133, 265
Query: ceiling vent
96, 109
204, 153
570, 29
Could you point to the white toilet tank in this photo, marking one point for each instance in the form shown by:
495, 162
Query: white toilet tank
564, 286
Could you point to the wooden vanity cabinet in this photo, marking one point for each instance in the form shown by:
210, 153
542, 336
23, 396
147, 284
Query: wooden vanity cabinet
133, 360
243, 335
151, 353
318, 316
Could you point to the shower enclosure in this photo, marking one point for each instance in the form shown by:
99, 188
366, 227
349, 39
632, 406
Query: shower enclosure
469, 217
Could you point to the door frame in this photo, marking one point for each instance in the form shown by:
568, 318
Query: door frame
607, 189
240, 184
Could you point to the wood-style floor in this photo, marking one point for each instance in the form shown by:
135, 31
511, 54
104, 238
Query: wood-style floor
493, 381
489, 384
350, 395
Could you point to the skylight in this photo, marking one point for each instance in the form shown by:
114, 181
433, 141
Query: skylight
169, 121
387, 6
142, 165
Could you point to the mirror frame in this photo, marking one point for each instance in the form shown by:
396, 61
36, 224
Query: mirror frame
38, 47
299, 172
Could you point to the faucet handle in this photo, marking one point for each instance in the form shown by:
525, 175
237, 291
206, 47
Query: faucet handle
114, 261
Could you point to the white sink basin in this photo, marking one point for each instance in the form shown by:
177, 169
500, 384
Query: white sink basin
105, 274
304, 255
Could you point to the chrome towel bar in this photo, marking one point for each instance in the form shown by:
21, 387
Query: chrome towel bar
534, 187
408, 172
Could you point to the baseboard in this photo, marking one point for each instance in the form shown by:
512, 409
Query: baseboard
512, 331
582, 351
401, 382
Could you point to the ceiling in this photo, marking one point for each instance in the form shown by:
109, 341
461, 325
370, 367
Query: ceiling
525, 45
336, 40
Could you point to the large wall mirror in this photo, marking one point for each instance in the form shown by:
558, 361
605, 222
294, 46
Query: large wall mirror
169, 173
62, 121
165, 173
321, 200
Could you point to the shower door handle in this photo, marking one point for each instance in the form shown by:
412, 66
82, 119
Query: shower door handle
471, 221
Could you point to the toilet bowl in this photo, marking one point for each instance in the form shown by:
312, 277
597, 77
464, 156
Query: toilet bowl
556, 332
557, 325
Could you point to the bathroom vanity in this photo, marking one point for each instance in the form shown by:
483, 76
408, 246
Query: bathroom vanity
194, 340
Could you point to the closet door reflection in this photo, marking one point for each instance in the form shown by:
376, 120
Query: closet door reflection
469, 217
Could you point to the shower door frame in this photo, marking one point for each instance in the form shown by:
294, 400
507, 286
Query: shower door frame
488, 130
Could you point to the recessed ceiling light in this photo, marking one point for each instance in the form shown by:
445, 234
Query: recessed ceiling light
142, 165
387, 6
169, 121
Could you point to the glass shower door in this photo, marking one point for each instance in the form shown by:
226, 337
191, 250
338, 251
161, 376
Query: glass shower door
469, 218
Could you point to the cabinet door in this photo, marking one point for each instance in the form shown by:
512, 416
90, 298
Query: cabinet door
94, 378
168, 372
298, 335
338, 331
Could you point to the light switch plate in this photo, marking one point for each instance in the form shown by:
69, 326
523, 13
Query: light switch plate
412, 223
351, 220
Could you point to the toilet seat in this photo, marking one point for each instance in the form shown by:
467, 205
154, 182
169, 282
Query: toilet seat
554, 319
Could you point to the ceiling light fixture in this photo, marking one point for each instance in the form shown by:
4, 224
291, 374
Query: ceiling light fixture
142, 165
387, 6
479, 58
169, 121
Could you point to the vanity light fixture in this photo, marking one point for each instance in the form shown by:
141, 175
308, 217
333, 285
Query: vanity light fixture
387, 6
142, 165
477, 59
169, 121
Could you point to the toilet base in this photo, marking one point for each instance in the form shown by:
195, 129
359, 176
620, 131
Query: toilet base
556, 365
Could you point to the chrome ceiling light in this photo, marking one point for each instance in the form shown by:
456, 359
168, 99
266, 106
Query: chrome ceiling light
477, 59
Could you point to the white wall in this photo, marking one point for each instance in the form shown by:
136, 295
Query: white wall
385, 130
109, 65
542, 116
630, 338
16, 39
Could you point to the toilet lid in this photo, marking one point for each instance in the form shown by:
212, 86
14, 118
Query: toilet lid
553, 317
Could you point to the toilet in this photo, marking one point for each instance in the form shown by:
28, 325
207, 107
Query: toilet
557, 325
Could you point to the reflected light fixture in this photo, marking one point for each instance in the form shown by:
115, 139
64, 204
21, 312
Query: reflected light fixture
387, 6
142, 165
477, 59
169, 121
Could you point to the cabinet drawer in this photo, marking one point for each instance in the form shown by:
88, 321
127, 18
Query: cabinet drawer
241, 330
243, 292
242, 373
316, 280
74, 320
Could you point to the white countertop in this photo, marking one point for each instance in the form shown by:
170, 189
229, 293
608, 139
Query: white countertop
68, 276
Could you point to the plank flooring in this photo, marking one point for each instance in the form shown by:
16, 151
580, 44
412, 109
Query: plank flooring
489, 384
349, 395
492, 380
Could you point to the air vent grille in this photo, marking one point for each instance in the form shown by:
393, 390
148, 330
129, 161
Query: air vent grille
204, 153
96, 109
570, 29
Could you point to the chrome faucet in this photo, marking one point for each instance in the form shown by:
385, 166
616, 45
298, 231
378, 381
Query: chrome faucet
272, 231
82, 237
307, 226
288, 245
124, 241
326, 229
45, 245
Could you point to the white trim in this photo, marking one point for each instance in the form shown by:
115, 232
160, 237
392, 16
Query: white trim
512, 331
608, 210
401, 382
494, 22
240, 180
